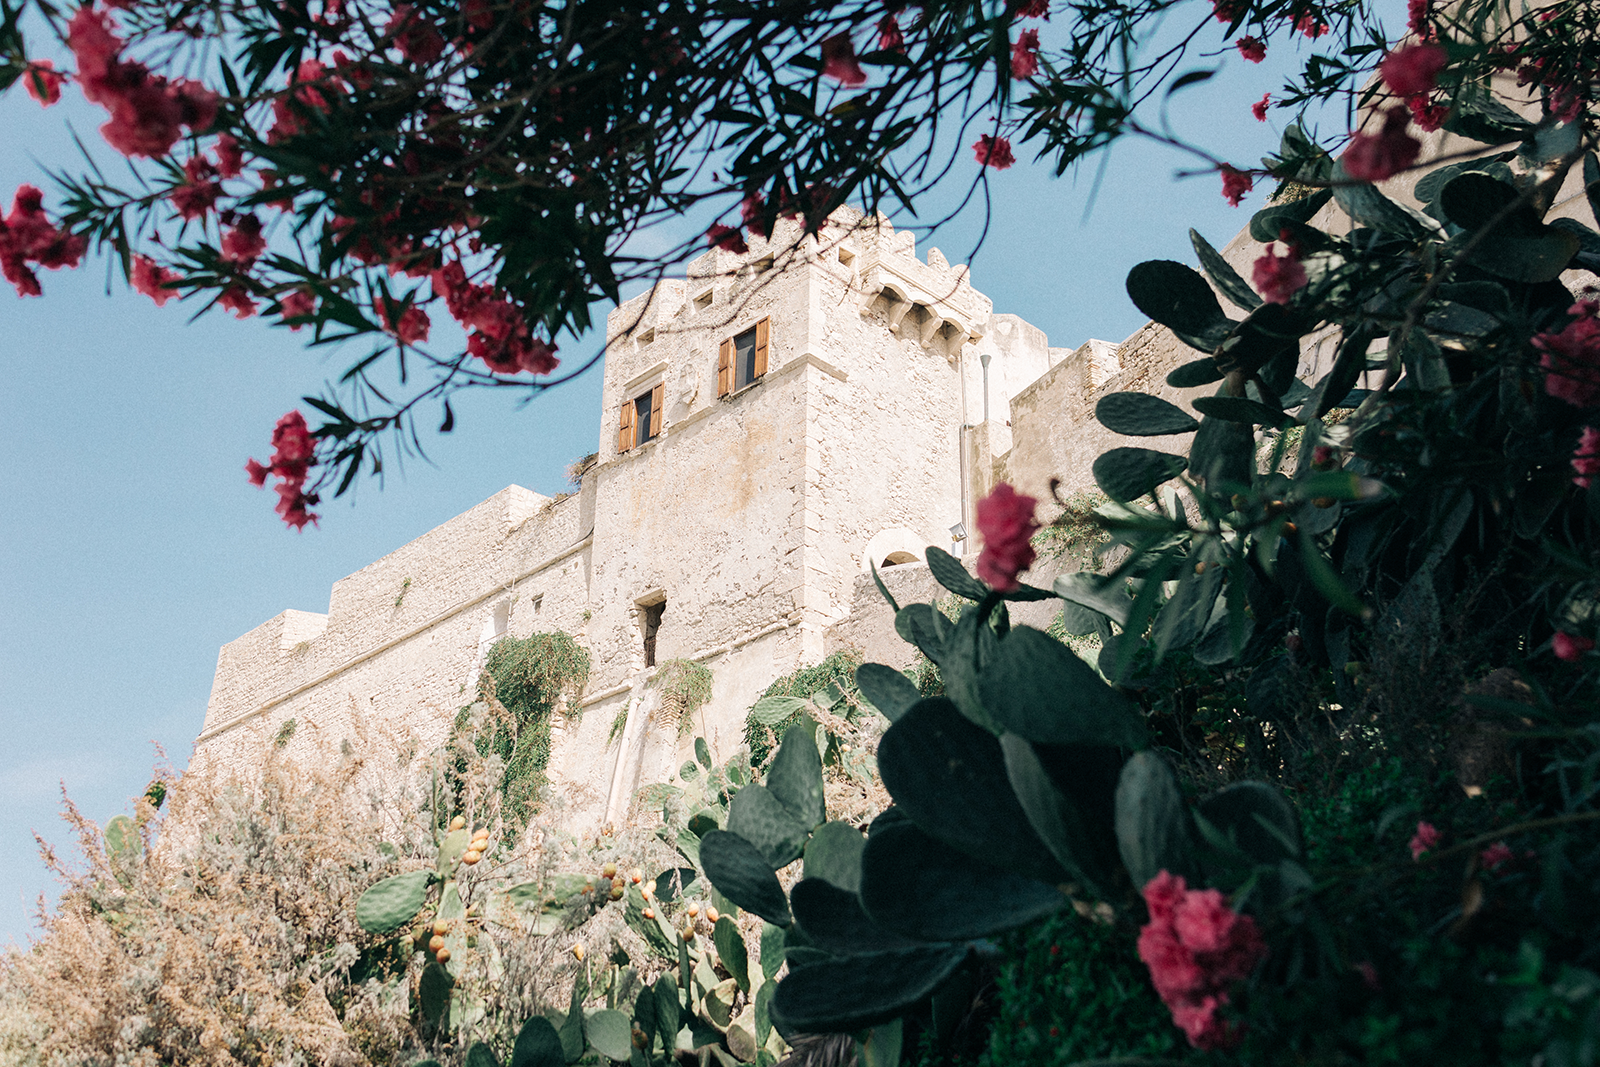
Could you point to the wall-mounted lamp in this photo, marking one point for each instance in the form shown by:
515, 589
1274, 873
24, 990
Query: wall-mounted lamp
958, 532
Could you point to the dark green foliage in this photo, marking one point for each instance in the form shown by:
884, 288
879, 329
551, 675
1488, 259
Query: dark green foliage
1142, 415
522, 682
877, 987
1069, 990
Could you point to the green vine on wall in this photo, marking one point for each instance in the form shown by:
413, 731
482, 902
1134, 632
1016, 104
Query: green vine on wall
523, 679
838, 670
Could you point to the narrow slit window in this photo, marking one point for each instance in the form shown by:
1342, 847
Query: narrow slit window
651, 622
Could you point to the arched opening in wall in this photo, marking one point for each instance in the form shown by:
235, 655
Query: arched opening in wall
893, 547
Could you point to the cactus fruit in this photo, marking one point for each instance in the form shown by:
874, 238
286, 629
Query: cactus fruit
435, 943
711, 915
471, 857
441, 927
649, 913
694, 910
577, 952
636, 876
442, 956
616, 890
608, 871
458, 823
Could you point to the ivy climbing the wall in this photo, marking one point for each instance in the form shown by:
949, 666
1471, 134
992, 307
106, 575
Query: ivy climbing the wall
522, 681
838, 670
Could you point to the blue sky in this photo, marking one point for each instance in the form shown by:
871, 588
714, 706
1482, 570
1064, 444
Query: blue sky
132, 546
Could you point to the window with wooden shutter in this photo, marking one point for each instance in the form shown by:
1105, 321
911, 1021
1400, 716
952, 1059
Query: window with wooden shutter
625, 428
657, 395
725, 368
763, 343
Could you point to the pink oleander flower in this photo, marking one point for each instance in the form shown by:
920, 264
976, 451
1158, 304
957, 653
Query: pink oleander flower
243, 243
993, 152
1235, 183
1571, 358
230, 157
412, 328
1277, 278
1229, 10
1566, 103
1373, 157
414, 37
293, 456
295, 304
1025, 55
1586, 457
1259, 108
151, 280
236, 299
1428, 115
1369, 975
839, 61
750, 212
1252, 48
1495, 856
1310, 25
726, 238
1570, 647
28, 236
1007, 525
1030, 9
1425, 839
1413, 69
1417, 13
43, 82
1196, 947
890, 39
199, 191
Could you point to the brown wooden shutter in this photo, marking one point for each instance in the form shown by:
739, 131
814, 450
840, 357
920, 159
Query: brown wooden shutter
725, 368
625, 428
763, 342
657, 398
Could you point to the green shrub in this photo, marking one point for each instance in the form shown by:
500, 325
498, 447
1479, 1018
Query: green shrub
837, 670
523, 679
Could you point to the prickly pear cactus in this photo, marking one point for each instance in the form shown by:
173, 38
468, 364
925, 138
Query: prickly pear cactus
1025, 789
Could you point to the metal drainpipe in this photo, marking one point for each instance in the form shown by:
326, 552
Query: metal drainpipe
961, 441
983, 357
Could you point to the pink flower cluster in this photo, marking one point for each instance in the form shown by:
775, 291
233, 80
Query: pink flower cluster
1586, 457
1007, 525
1252, 48
1424, 840
1025, 54
500, 335
993, 152
1570, 647
148, 112
153, 280
1235, 183
293, 456
1571, 358
1375, 156
1196, 947
1277, 278
43, 82
28, 236
839, 61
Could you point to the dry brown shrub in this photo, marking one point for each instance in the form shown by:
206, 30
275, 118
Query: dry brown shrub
232, 939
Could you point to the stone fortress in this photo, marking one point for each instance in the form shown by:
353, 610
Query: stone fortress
772, 425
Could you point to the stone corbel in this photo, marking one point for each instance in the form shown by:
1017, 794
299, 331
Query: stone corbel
931, 327
897, 311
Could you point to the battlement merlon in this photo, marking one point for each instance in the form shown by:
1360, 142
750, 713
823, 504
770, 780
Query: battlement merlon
868, 254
